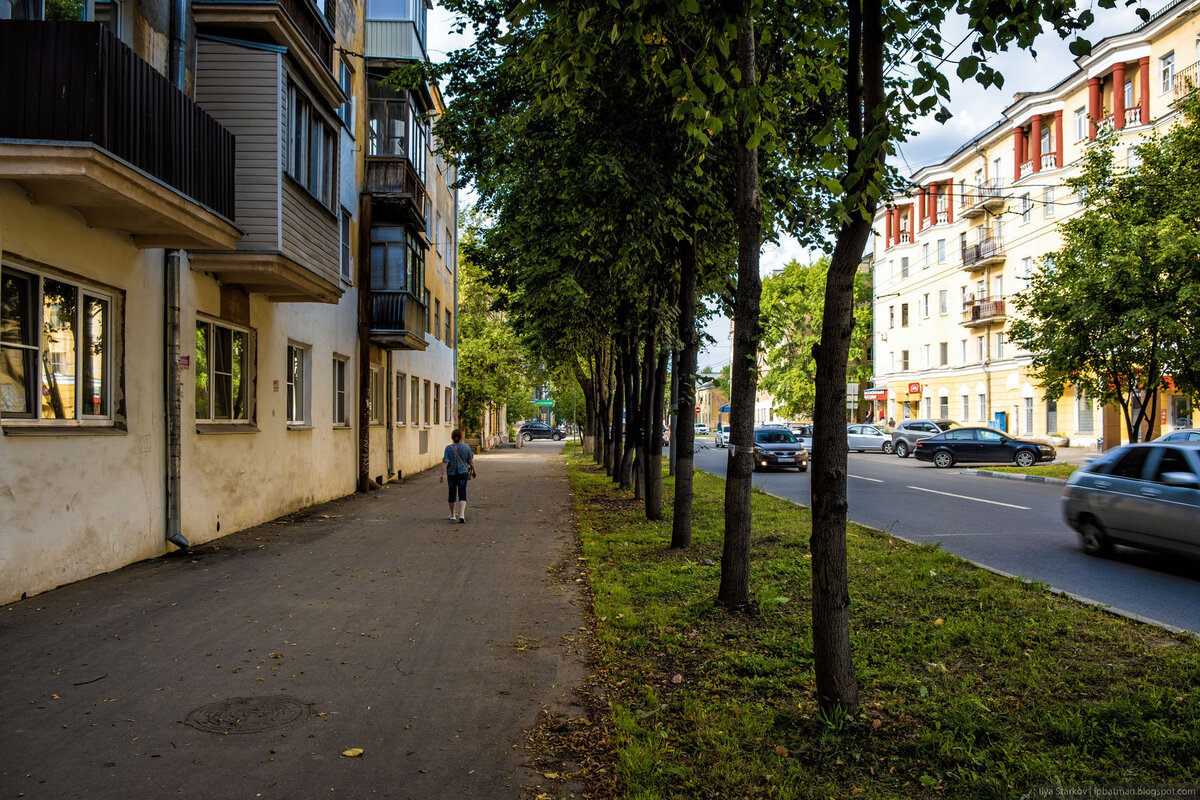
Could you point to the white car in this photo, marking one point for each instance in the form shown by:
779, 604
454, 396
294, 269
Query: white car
722, 434
701, 429
867, 437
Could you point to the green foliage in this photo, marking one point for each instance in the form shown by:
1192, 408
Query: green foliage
793, 304
1117, 310
973, 685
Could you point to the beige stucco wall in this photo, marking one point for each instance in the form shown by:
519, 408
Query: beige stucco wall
75, 503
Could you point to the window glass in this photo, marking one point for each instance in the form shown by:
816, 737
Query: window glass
401, 399
296, 411
222, 363
59, 343
991, 437
415, 399
1172, 461
1131, 464
17, 346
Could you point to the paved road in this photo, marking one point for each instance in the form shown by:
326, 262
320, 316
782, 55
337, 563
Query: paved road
1011, 526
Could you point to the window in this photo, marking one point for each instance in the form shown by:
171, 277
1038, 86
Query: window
1128, 94
1132, 159
929, 406
943, 354
966, 407
925, 305
55, 349
415, 400
1084, 422
346, 109
904, 267
943, 406
437, 316
964, 351
397, 260
223, 359
904, 315
401, 10
1046, 148
427, 390
375, 399
428, 321
999, 345
1081, 124
891, 316
1166, 71
998, 283
387, 121
437, 226
1028, 416
312, 152
449, 329
1172, 461
983, 408
925, 357
904, 361
943, 303
401, 398
1132, 464
437, 400
941, 251
925, 256
1026, 208
1048, 202
340, 417
449, 407
345, 234
979, 348
1026, 268
297, 386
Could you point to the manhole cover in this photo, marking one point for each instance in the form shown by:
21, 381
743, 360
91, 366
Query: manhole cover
247, 714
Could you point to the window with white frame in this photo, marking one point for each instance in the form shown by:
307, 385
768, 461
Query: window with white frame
224, 355
375, 399
401, 399
1028, 416
347, 224
904, 315
312, 147
437, 317
449, 328
925, 256
941, 251
1048, 202
1166, 72
1026, 208
943, 353
1133, 159
56, 348
943, 302
1129, 94
982, 407
297, 384
1081, 124
966, 407
437, 400
928, 407
979, 349
428, 390
449, 406
925, 305
414, 397
925, 363
999, 345
944, 406
1085, 422
904, 361
891, 317
904, 267
341, 416
964, 350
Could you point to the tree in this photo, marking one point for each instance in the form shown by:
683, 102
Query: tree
1113, 311
793, 303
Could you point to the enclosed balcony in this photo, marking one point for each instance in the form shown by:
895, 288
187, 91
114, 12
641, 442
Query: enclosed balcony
305, 27
398, 314
982, 312
86, 123
988, 251
397, 320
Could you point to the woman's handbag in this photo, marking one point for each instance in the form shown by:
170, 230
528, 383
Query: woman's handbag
470, 471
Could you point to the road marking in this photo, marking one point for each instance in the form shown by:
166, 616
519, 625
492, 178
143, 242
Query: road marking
863, 478
964, 497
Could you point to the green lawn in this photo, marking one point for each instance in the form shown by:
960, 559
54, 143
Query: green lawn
1045, 470
973, 685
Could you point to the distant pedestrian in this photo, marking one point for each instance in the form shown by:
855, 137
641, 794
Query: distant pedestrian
458, 464
891, 422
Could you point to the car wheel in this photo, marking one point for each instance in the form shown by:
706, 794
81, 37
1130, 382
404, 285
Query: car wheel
902, 448
887, 448
1024, 458
528, 437
1093, 540
557, 437
943, 459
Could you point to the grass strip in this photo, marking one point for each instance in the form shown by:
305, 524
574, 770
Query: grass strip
1045, 470
973, 685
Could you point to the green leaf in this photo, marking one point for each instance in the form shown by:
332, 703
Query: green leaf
967, 68
1080, 47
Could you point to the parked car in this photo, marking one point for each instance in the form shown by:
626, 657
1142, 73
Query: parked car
868, 437
910, 431
1141, 495
1186, 435
980, 444
804, 433
777, 447
721, 437
539, 430
701, 429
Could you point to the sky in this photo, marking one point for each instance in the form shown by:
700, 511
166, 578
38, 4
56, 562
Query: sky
973, 109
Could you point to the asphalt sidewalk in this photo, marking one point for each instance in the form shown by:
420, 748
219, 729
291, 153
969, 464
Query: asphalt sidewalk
247, 668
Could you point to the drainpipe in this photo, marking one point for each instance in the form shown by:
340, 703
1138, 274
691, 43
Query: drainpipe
172, 262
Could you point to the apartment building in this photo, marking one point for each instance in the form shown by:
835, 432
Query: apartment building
198, 326
950, 254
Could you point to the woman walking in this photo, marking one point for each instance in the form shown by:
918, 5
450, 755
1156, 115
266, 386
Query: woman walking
458, 464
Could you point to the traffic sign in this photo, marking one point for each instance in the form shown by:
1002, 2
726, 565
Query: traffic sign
544, 403
697, 409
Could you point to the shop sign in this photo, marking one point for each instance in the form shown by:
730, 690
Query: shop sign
914, 388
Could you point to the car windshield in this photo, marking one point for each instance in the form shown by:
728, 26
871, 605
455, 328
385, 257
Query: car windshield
774, 436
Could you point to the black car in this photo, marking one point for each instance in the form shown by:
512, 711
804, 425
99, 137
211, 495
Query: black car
539, 430
778, 447
980, 444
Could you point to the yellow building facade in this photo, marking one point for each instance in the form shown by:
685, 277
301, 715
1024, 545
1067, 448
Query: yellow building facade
951, 253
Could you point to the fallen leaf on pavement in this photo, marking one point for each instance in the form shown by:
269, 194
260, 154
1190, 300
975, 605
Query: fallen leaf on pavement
353, 752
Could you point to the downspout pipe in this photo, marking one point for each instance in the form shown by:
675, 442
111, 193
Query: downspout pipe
172, 265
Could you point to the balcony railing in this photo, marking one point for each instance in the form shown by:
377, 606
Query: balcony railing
1049, 160
978, 198
315, 26
905, 237
1186, 80
1026, 169
985, 250
397, 180
397, 319
1133, 116
76, 82
942, 217
978, 312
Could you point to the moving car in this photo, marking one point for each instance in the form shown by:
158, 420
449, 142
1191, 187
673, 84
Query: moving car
701, 429
910, 431
867, 437
980, 444
805, 434
777, 447
722, 435
539, 430
1142, 495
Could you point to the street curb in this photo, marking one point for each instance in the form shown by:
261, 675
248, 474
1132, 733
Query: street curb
1012, 476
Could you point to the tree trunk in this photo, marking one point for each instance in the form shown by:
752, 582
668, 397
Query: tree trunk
674, 415
734, 591
654, 439
646, 406
632, 423
617, 428
684, 438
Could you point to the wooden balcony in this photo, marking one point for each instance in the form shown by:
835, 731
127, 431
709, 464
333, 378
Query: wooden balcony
86, 123
982, 312
985, 252
393, 181
397, 320
978, 199
297, 25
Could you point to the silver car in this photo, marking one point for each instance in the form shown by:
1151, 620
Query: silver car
867, 437
721, 437
909, 431
1184, 435
1141, 495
